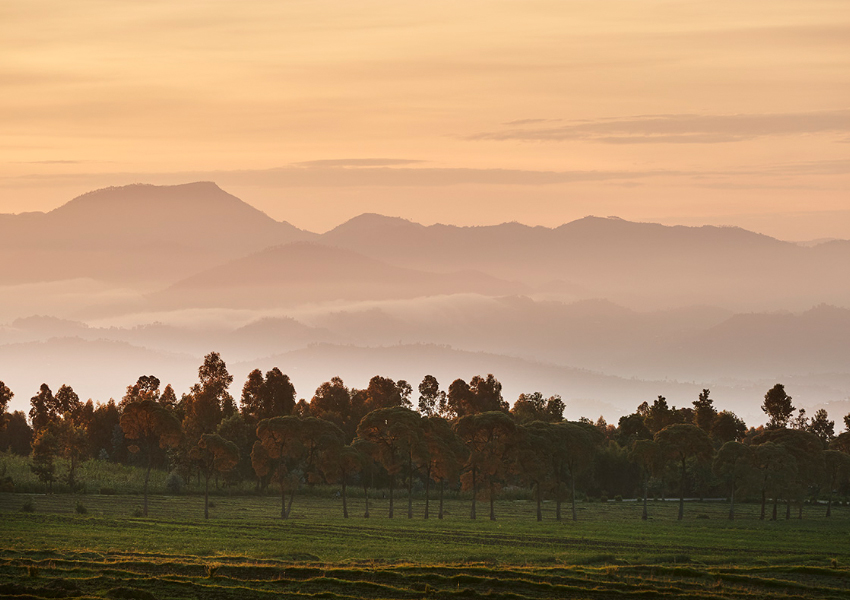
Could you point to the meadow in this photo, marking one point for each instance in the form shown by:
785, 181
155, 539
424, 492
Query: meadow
245, 551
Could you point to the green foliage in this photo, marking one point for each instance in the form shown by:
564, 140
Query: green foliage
81, 509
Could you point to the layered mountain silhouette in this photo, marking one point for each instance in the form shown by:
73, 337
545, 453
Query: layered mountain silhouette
599, 310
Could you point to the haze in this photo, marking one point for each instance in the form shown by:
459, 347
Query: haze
603, 200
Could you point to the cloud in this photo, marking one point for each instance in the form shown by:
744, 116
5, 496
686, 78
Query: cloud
357, 162
681, 129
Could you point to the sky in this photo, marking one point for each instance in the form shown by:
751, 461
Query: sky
472, 113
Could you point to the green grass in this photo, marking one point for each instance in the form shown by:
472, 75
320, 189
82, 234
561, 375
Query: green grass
244, 551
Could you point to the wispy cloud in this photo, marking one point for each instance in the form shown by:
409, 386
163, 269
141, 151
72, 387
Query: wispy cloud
357, 162
679, 129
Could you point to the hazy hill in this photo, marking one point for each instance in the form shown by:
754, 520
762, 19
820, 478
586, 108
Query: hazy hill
136, 233
638, 264
305, 272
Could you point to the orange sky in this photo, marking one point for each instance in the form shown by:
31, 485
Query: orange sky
468, 112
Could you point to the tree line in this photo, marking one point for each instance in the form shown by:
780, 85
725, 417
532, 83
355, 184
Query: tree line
464, 438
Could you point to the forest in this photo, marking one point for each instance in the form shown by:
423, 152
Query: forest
466, 439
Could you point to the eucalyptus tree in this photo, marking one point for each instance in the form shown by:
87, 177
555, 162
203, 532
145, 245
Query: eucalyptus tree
214, 454
491, 438
396, 440
148, 426
837, 471
734, 463
647, 455
679, 443
445, 454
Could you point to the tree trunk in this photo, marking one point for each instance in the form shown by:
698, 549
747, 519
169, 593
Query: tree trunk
558, 504
787, 509
539, 504
732, 503
291, 498
775, 502
282, 499
147, 478
207, 498
573, 492
645, 515
366, 495
442, 484
409, 486
492, 500
474, 494
344, 501
763, 503
427, 490
392, 486
800, 514
682, 494
829, 502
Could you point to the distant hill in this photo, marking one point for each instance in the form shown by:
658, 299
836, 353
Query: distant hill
305, 272
136, 233
637, 264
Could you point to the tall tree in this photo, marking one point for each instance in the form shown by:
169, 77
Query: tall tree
704, 411
338, 463
6, 396
432, 400
212, 455
807, 451
647, 455
445, 454
491, 437
837, 471
396, 440
536, 445
727, 427
277, 453
383, 392
777, 406
734, 464
679, 442
334, 402
822, 426
45, 449
534, 407
44, 408
262, 398
149, 426
775, 467
16, 437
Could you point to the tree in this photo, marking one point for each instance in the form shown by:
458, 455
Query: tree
733, 463
338, 462
334, 402
577, 443
445, 454
631, 428
777, 405
704, 411
45, 448
432, 400
208, 402
396, 440
16, 437
658, 416
214, 454
822, 427
491, 438
534, 407
837, 469
383, 392
727, 427
807, 451
679, 442
6, 396
536, 445
277, 453
44, 408
149, 426
647, 455
273, 396
775, 466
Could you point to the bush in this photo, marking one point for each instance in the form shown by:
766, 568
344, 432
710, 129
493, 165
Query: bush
702, 516
603, 498
138, 513
174, 484
107, 491
28, 506
81, 509
618, 498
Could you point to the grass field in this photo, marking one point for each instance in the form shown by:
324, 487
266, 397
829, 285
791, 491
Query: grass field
243, 551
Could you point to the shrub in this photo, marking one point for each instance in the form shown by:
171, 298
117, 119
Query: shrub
28, 506
702, 516
33, 571
107, 491
81, 509
138, 512
603, 498
618, 498
174, 484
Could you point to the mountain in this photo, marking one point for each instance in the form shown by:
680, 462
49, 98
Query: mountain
136, 233
305, 272
643, 265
